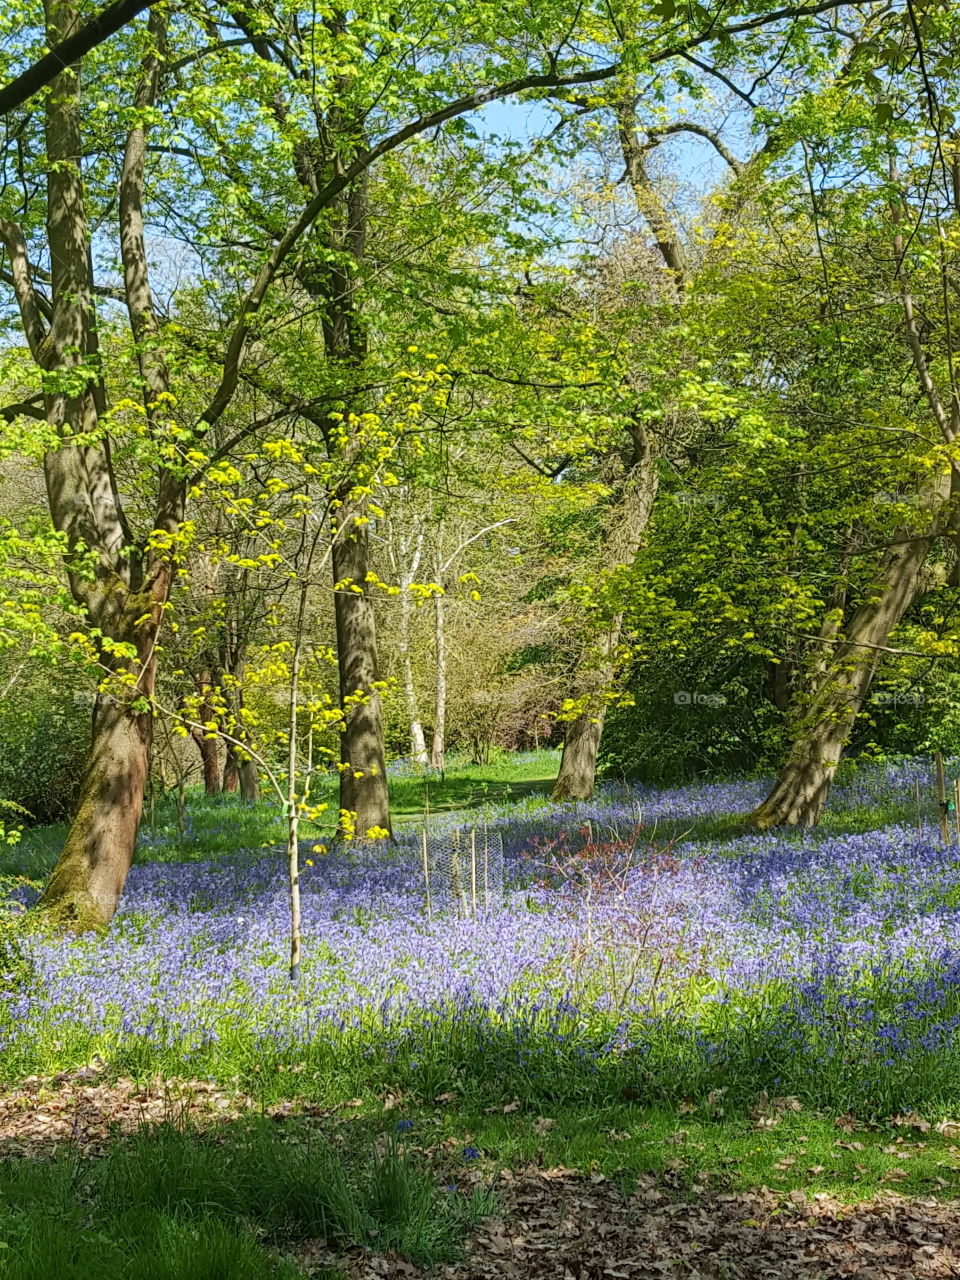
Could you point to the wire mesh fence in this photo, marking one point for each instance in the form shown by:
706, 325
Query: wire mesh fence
462, 871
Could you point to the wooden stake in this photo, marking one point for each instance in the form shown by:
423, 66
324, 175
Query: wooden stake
486, 867
426, 875
942, 800
916, 787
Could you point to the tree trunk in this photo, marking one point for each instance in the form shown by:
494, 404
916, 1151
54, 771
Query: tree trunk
249, 781
209, 747
231, 773
210, 760
86, 884
363, 773
418, 746
125, 595
418, 743
438, 747
578, 764
842, 681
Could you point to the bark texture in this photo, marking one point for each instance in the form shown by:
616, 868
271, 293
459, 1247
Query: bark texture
438, 744
363, 774
407, 574
578, 764
841, 683
85, 886
230, 781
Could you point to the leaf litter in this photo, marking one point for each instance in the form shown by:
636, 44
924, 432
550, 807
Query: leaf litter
553, 1223
560, 1224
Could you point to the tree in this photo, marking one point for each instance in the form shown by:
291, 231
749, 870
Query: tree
422, 74
909, 187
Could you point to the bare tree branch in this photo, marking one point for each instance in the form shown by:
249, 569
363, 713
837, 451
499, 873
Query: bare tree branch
688, 126
21, 277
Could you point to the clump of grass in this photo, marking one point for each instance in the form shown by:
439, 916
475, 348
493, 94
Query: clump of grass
172, 1205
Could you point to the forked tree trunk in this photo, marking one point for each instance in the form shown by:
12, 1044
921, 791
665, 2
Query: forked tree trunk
241, 775
125, 595
363, 772
842, 681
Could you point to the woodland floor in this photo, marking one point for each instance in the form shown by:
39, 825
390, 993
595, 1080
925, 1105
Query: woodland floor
561, 1224
690, 1177
551, 1221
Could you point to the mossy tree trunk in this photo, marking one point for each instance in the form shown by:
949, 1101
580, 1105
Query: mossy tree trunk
85, 886
841, 682
125, 595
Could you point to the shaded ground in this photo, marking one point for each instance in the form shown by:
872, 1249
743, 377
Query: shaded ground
563, 1225
80, 1112
555, 1223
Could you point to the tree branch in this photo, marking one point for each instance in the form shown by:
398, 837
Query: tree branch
649, 205
32, 408
236, 348
718, 75
47, 68
21, 277
688, 126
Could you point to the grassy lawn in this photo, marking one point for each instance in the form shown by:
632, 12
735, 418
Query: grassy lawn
220, 826
467, 786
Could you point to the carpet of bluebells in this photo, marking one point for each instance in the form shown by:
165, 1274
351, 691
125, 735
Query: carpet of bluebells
620, 962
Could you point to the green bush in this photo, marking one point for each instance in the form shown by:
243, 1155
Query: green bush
44, 737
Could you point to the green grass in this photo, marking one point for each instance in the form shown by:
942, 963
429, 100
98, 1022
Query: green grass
776, 1145
804, 1150
247, 1200
234, 1203
466, 786
221, 826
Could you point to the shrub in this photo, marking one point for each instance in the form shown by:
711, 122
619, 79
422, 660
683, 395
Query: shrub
43, 745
